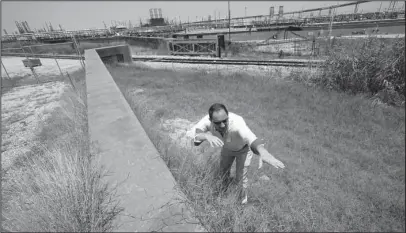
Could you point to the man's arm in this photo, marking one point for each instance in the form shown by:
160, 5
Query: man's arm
200, 137
201, 129
202, 133
257, 146
268, 158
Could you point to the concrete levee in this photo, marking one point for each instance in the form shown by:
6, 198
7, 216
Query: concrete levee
146, 187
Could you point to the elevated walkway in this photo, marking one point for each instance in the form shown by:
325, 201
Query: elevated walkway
147, 189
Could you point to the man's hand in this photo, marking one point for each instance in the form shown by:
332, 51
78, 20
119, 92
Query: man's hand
266, 157
214, 141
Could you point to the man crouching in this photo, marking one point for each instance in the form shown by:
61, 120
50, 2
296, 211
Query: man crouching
229, 130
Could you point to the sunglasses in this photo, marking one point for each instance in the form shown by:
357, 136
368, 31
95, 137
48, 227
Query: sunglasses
219, 122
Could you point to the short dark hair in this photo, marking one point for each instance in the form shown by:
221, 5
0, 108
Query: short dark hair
216, 107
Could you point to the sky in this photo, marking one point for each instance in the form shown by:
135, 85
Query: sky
75, 15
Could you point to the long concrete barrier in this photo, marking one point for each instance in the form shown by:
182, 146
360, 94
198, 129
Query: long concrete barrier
147, 190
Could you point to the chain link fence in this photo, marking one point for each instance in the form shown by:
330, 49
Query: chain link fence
40, 63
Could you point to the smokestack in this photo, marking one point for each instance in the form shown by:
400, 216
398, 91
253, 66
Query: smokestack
160, 13
280, 11
151, 13
271, 11
156, 13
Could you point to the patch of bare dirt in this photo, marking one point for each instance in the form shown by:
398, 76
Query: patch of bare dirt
180, 131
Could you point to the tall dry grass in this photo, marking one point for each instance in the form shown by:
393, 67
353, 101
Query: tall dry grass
196, 171
370, 66
58, 187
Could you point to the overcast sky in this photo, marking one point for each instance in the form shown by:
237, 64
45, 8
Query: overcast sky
91, 14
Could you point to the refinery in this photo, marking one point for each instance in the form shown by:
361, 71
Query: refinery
159, 26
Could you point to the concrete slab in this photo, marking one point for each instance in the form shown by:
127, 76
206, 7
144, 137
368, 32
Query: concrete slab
147, 190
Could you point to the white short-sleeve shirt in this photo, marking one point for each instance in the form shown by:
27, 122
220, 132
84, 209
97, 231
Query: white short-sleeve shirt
237, 136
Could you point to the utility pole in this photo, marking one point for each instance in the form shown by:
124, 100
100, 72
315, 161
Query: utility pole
245, 11
229, 22
331, 23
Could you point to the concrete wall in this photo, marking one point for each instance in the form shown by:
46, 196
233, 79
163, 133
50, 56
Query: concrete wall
147, 42
112, 54
147, 187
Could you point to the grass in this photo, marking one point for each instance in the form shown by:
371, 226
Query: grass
344, 155
57, 186
8, 83
28, 79
371, 66
324, 48
270, 50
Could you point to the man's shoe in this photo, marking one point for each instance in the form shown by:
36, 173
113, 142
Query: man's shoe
243, 197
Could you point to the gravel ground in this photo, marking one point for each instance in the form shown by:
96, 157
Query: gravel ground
178, 57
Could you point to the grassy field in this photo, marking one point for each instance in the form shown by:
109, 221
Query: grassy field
322, 45
344, 154
55, 185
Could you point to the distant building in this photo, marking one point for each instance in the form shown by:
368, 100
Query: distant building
121, 27
156, 18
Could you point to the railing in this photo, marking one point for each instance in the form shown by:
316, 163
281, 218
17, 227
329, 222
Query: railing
193, 47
